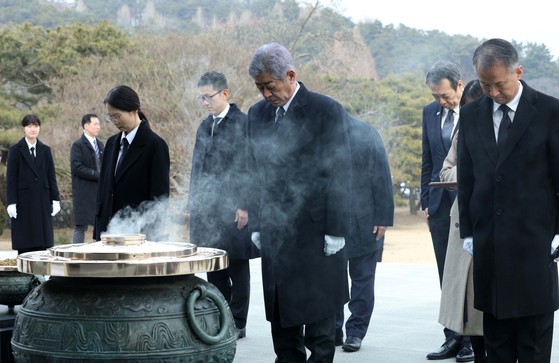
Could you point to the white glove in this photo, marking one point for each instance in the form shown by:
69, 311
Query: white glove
554, 245
469, 245
12, 211
333, 244
255, 237
55, 207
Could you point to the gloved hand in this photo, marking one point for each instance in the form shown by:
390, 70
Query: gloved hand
55, 207
554, 244
12, 211
255, 237
469, 245
333, 244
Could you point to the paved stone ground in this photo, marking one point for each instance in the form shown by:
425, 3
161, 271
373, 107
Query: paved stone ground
404, 325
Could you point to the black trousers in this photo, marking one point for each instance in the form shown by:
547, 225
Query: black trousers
362, 274
478, 345
79, 233
439, 227
523, 340
290, 342
31, 249
234, 283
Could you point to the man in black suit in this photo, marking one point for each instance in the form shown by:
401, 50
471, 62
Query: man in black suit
32, 191
440, 122
136, 164
372, 210
508, 177
85, 164
300, 172
217, 199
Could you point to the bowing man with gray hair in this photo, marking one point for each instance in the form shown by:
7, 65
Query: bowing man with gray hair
300, 164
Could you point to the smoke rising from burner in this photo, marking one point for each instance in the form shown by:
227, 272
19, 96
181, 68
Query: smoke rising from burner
160, 220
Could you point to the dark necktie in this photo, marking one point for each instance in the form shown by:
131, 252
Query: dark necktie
447, 129
32, 148
504, 128
215, 123
124, 144
279, 115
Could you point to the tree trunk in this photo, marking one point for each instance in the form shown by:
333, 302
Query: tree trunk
413, 203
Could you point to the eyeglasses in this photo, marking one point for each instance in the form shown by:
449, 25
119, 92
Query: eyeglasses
208, 99
113, 118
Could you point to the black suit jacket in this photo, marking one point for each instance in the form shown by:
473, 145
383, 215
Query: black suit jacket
31, 185
142, 176
432, 158
509, 204
301, 182
219, 186
85, 177
371, 188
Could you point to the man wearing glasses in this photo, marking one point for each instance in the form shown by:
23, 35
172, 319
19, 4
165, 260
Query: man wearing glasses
218, 196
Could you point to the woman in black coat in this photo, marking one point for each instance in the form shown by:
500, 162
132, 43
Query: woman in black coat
32, 192
135, 167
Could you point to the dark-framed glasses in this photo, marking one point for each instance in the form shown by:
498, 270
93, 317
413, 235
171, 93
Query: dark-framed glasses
208, 99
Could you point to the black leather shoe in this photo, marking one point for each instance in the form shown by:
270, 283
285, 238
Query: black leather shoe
447, 350
466, 353
241, 333
352, 344
339, 337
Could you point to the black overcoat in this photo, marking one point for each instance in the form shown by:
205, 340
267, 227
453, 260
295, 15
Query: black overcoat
219, 186
301, 181
142, 176
509, 204
85, 178
31, 185
371, 188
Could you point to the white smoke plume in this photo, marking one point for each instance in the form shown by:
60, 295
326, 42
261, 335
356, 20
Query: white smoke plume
160, 220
